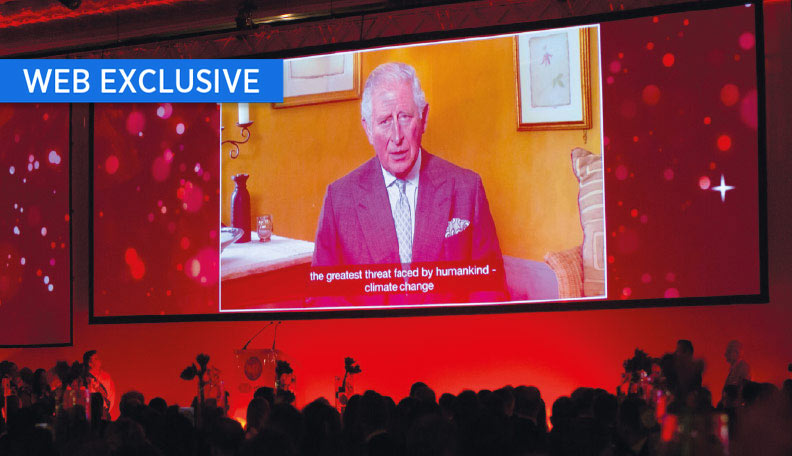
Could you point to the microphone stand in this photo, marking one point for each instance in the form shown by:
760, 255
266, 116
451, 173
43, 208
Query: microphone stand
275, 336
244, 347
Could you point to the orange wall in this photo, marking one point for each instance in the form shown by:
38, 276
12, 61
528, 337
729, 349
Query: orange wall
294, 153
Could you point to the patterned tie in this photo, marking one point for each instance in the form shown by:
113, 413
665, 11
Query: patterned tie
403, 221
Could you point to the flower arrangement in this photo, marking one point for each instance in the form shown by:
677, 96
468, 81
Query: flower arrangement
191, 372
640, 362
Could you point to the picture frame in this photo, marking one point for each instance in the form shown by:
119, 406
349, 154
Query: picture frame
320, 79
553, 80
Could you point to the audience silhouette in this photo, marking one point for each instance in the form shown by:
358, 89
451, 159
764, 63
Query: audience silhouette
509, 421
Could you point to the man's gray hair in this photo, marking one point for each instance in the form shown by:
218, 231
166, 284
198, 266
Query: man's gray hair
389, 73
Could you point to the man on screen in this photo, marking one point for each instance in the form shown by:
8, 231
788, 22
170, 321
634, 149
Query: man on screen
404, 205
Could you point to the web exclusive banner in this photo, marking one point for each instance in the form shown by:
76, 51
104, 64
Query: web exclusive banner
147, 80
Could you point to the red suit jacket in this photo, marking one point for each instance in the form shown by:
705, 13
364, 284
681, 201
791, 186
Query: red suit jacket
356, 224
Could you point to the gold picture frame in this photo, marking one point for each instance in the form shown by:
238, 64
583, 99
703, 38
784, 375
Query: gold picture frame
566, 103
350, 75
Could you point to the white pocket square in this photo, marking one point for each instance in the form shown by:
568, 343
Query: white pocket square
456, 226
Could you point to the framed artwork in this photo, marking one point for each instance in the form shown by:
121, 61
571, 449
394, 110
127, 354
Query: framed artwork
320, 79
553, 81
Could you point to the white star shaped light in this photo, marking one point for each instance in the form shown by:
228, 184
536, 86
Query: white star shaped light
722, 188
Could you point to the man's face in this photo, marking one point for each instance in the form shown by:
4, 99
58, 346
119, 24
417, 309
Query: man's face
396, 127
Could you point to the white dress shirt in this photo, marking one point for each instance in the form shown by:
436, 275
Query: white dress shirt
411, 189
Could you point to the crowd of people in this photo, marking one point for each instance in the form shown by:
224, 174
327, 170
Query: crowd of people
752, 418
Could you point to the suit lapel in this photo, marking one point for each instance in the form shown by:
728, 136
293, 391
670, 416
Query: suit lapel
375, 217
432, 211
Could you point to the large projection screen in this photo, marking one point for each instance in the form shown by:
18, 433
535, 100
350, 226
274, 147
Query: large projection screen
594, 165
35, 245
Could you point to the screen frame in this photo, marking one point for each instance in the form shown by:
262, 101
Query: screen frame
558, 305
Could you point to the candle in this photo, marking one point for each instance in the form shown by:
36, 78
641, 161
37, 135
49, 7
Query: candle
244, 113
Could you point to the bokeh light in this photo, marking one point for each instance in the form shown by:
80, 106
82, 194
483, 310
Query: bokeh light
651, 94
111, 164
747, 40
729, 94
724, 142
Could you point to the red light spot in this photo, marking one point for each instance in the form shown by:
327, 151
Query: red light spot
615, 66
185, 243
704, 182
749, 110
160, 169
668, 59
712, 165
724, 142
686, 22
66, 217
621, 55
621, 172
136, 266
38, 272
646, 277
668, 174
747, 40
650, 45
179, 267
611, 259
52, 245
610, 80
736, 57
671, 293
193, 197
169, 292
634, 213
130, 255
730, 94
651, 94
111, 164
707, 120
627, 291
135, 123
138, 270
101, 214
45, 116
635, 139
655, 20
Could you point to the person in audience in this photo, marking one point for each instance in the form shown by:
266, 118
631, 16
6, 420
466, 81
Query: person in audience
686, 372
159, 405
420, 391
739, 370
266, 393
98, 380
257, 412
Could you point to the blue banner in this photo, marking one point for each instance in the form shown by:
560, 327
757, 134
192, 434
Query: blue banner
140, 81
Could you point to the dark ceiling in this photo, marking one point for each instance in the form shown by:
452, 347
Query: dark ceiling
228, 28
